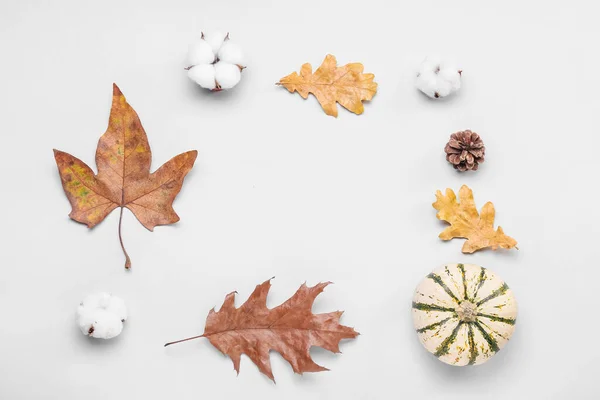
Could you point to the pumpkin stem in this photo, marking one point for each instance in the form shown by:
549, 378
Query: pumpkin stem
467, 311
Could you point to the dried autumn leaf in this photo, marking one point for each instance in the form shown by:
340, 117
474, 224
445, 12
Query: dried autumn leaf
123, 159
290, 329
346, 85
465, 222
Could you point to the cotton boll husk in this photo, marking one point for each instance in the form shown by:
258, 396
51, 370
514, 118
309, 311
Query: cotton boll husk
203, 75
200, 52
231, 53
215, 40
227, 75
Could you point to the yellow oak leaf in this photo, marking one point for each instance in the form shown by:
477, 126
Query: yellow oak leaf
466, 222
331, 84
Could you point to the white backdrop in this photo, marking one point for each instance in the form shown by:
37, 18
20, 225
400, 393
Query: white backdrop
280, 189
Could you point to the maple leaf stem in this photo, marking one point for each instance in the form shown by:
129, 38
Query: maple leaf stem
127, 259
184, 340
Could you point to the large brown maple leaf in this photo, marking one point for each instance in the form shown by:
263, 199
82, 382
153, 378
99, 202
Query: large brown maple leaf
123, 159
330, 84
290, 329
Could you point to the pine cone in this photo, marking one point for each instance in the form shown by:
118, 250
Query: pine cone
465, 150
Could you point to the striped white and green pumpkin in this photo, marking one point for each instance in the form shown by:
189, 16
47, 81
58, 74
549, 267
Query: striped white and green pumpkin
464, 313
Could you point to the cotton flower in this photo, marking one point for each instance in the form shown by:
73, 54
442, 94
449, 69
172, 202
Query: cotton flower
215, 62
101, 315
437, 78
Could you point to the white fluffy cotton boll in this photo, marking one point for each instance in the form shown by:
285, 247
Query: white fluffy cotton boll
203, 75
101, 315
200, 52
221, 69
231, 53
215, 40
437, 78
227, 75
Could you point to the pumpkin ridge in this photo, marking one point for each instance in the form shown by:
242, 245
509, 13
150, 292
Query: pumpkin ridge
444, 347
438, 279
434, 325
473, 353
454, 283
480, 282
494, 331
461, 267
489, 339
430, 307
498, 292
496, 318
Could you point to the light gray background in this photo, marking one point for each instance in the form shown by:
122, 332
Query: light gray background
280, 189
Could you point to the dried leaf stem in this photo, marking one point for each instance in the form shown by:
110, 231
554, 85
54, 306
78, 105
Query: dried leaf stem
127, 259
184, 340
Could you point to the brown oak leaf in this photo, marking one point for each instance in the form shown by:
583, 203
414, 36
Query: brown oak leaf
124, 180
466, 222
290, 329
346, 85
